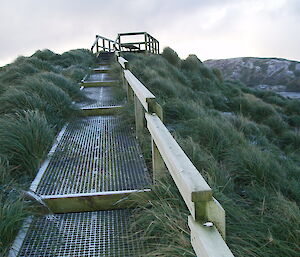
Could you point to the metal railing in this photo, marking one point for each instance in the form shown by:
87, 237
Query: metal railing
207, 217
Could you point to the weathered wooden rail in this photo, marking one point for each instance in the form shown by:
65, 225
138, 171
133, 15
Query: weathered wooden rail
207, 219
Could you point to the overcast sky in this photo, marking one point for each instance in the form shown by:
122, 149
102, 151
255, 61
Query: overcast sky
210, 29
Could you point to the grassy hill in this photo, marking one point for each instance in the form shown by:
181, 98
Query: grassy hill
36, 99
245, 143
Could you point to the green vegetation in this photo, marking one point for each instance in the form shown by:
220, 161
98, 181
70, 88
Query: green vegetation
36, 99
244, 142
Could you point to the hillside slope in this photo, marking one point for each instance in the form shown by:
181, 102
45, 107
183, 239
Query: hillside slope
253, 72
245, 143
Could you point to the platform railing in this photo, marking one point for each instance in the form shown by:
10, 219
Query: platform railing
148, 44
207, 217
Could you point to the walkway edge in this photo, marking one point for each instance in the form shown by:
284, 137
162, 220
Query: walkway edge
45, 164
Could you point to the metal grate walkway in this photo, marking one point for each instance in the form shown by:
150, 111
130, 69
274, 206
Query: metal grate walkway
92, 155
102, 233
95, 154
99, 97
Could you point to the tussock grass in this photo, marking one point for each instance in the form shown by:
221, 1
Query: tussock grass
58, 100
40, 65
75, 72
36, 95
73, 57
63, 83
249, 156
14, 100
215, 133
13, 74
46, 55
25, 138
171, 56
162, 221
12, 213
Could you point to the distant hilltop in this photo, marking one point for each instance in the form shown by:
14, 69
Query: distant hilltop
265, 73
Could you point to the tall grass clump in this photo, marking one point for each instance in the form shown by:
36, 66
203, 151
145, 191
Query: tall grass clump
73, 57
171, 56
245, 143
14, 100
161, 221
36, 99
25, 139
57, 99
75, 72
63, 83
13, 74
12, 214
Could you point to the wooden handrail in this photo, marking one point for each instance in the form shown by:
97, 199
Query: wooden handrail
189, 181
142, 93
207, 240
123, 62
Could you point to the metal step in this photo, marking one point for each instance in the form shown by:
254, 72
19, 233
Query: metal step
99, 80
102, 69
102, 233
93, 155
99, 101
98, 77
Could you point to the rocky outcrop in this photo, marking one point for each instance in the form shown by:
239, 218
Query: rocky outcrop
277, 74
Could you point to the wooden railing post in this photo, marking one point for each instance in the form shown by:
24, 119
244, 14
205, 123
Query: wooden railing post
139, 116
130, 93
158, 164
152, 45
146, 42
103, 44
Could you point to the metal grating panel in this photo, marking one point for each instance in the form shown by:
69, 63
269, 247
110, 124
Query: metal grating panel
102, 233
97, 97
99, 77
103, 67
95, 154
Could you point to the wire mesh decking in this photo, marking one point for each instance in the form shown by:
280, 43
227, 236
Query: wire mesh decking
99, 77
99, 97
95, 154
102, 233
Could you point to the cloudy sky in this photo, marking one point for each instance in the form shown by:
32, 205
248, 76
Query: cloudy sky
208, 28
